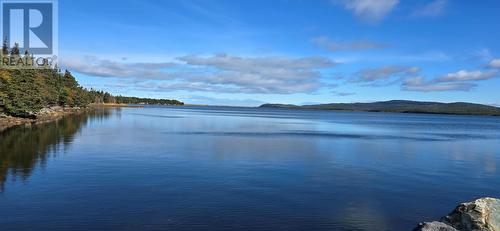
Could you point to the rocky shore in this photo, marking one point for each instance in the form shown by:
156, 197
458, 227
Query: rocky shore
45, 115
479, 215
52, 113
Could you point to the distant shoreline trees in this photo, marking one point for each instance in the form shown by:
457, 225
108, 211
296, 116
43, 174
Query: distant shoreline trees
136, 100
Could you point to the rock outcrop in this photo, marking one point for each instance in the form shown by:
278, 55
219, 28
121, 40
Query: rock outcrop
479, 215
45, 115
434, 226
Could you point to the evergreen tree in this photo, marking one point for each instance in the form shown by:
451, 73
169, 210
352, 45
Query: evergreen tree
15, 49
5, 47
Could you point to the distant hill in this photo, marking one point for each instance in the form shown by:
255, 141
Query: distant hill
401, 106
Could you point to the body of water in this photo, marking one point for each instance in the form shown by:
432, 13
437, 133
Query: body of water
217, 168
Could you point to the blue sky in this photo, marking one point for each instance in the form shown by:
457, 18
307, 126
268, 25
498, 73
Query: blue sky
236, 52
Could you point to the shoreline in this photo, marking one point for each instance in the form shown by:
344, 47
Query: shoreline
54, 113
401, 106
481, 214
112, 105
51, 114
379, 111
46, 115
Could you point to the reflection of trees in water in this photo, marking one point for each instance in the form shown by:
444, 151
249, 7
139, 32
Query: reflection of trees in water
23, 148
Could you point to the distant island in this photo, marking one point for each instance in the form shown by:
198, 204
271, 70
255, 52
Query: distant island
401, 106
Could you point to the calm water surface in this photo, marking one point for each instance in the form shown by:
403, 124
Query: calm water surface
188, 168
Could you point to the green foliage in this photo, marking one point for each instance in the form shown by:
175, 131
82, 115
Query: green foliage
135, 100
22, 97
23, 92
5, 49
108, 98
101, 97
15, 49
105, 97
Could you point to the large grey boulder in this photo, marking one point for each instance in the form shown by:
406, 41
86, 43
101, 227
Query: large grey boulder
434, 226
479, 215
482, 215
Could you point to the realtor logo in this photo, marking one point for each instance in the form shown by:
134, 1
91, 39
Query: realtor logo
30, 23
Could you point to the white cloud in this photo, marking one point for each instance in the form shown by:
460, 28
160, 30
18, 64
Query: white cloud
464, 75
203, 100
495, 63
236, 63
433, 9
195, 87
261, 75
338, 93
369, 10
384, 73
218, 73
482, 54
421, 84
458, 81
461, 80
93, 66
328, 44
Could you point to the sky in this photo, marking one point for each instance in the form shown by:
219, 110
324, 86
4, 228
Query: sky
249, 52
